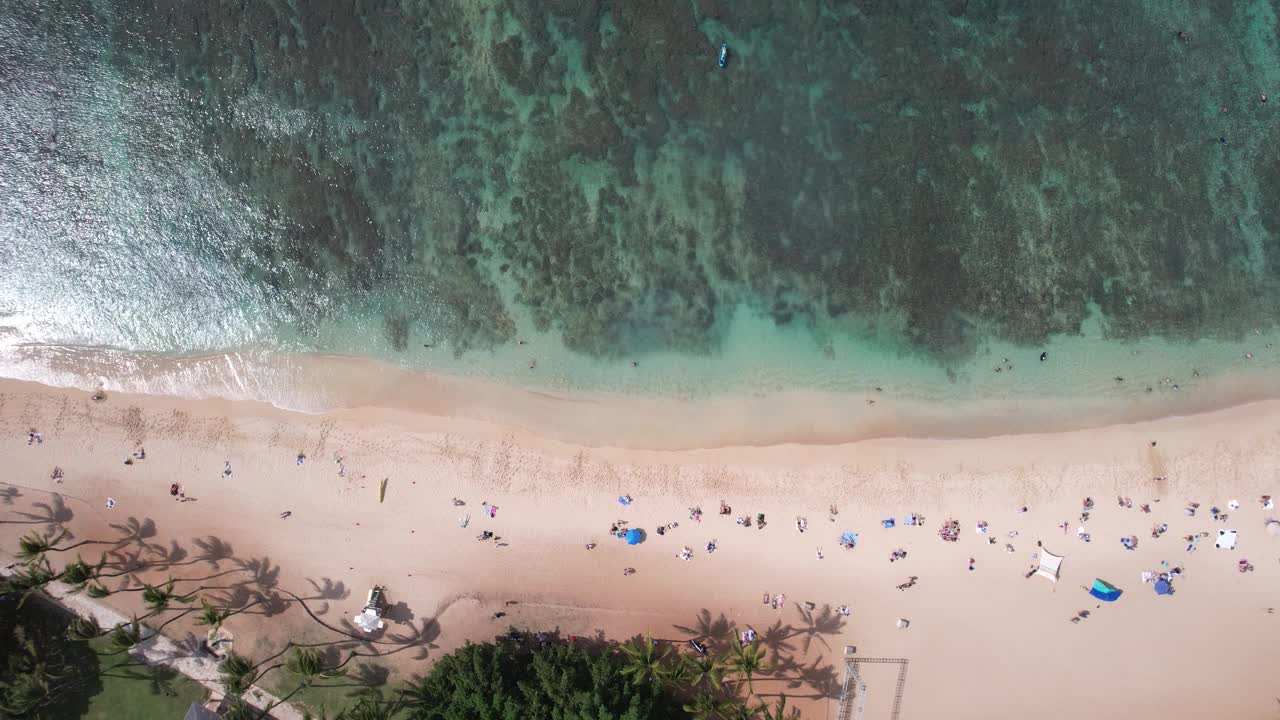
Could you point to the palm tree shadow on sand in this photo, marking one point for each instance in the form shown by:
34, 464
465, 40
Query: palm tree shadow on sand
785, 662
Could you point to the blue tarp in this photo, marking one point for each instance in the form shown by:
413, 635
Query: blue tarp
634, 536
1104, 591
1163, 587
887, 523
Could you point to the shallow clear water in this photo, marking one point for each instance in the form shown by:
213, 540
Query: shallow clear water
867, 196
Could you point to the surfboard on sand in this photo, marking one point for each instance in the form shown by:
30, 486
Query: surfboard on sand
382, 489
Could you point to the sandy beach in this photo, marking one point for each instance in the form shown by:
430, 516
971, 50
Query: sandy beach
985, 642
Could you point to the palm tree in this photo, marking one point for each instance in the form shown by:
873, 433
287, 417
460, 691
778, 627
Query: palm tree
678, 673
210, 615
78, 573
238, 673
644, 661
25, 685
158, 598
24, 692
124, 637
706, 669
778, 712
28, 580
32, 546
747, 660
83, 628
706, 705
308, 664
741, 712
371, 709
96, 590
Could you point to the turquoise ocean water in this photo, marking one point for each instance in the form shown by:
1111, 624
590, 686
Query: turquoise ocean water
905, 196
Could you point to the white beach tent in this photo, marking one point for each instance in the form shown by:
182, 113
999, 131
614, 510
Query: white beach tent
1226, 540
1049, 565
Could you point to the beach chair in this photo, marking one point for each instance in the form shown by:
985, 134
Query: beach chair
370, 619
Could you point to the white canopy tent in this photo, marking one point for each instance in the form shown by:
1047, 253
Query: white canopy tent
1050, 564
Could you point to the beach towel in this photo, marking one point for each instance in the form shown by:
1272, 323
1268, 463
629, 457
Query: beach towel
887, 523
1226, 540
848, 538
909, 520
624, 500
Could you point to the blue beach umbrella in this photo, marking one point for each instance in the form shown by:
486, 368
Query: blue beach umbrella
1104, 591
635, 536
1163, 587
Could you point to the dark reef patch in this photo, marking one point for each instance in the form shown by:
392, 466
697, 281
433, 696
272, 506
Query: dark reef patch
948, 169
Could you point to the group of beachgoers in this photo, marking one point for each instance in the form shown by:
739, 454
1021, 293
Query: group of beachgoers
949, 531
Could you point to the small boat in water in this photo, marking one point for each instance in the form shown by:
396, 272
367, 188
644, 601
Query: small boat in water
724, 54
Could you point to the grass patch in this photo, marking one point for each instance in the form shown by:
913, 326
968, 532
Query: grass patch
144, 692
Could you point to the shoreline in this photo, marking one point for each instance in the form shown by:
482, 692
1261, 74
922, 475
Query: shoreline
323, 384
556, 496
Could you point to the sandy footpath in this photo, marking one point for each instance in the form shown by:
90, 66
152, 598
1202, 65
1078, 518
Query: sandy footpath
982, 643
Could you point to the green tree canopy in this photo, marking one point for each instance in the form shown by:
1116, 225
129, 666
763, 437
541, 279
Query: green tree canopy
517, 681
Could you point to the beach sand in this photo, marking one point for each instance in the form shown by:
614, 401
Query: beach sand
985, 643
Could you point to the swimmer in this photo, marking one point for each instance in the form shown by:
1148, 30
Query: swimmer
1044, 356
1182, 35
532, 363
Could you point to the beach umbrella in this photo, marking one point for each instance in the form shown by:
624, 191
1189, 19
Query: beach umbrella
1104, 591
635, 536
1163, 587
1273, 528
